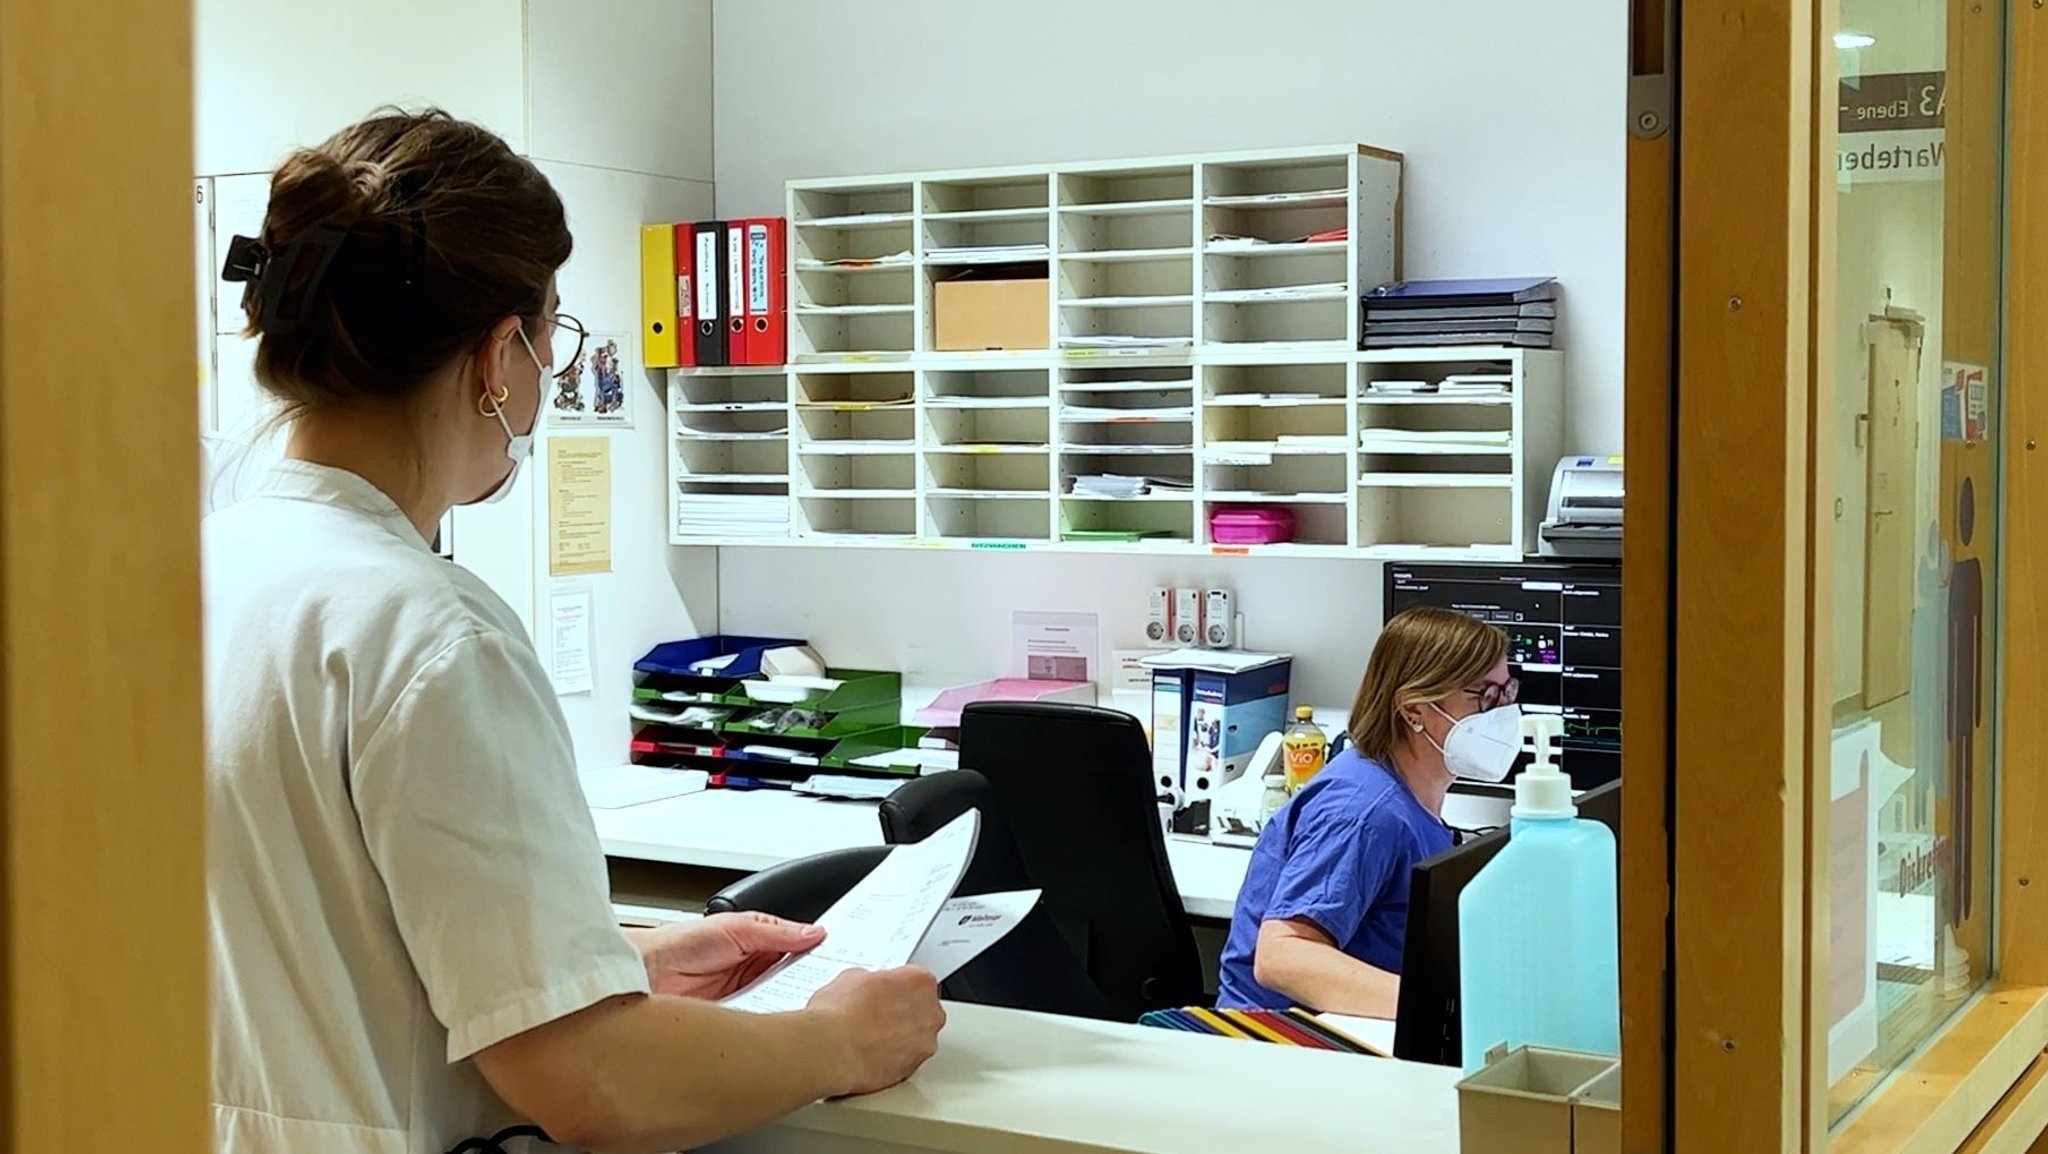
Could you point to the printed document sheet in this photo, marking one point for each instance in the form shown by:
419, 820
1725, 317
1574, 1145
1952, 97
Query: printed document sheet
892, 917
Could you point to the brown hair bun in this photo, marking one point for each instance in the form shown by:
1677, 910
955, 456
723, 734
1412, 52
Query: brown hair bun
443, 232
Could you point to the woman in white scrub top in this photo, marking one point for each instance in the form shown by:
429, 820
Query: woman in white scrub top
413, 944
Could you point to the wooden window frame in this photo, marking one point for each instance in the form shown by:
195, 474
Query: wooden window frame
1722, 948
2022, 943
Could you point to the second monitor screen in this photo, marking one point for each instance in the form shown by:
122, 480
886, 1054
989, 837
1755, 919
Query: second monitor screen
1563, 623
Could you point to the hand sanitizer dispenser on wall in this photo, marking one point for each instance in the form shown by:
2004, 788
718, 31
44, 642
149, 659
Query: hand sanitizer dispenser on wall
1539, 961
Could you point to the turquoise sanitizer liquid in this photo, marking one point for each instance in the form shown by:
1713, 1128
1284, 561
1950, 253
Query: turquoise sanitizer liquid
1539, 958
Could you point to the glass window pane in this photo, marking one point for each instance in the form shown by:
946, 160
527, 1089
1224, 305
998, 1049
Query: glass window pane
1912, 451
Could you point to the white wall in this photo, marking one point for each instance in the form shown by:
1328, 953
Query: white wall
654, 593
1511, 115
622, 84
1512, 119
944, 618
272, 75
619, 95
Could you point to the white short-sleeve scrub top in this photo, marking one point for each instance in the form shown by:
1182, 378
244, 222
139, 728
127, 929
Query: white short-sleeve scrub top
401, 867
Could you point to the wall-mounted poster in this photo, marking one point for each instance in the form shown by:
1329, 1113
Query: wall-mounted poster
592, 390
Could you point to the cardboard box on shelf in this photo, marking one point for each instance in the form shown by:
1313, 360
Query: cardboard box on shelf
976, 312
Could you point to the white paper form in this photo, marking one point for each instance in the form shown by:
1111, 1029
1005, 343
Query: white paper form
878, 924
620, 786
967, 926
569, 611
1054, 646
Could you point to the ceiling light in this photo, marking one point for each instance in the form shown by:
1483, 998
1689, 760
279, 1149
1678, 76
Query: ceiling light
1854, 40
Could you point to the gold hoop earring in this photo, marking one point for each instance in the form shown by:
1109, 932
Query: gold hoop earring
492, 402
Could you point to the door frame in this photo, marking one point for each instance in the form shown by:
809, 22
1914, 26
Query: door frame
1647, 609
103, 978
1740, 561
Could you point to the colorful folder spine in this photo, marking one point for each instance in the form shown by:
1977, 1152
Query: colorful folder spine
767, 339
715, 293
734, 310
709, 273
659, 319
1279, 1027
686, 295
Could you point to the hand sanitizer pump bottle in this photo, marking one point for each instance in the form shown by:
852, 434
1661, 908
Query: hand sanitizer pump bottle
1538, 945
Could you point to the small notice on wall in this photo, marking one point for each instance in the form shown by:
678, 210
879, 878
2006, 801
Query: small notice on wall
579, 506
569, 648
1054, 646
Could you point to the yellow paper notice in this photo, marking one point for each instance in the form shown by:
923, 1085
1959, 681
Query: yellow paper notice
579, 506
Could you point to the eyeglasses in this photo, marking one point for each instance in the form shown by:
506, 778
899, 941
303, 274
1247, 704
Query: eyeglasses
566, 336
1492, 695
495, 1144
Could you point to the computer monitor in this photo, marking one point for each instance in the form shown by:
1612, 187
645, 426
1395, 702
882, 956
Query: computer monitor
1563, 622
1427, 1027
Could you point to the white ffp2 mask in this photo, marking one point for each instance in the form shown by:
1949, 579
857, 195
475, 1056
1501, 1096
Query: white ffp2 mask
518, 446
1483, 747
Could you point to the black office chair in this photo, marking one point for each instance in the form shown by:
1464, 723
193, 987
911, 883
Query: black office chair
1074, 784
1031, 968
800, 890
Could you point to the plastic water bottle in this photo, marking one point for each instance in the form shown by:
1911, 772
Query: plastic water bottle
1538, 946
1304, 747
1274, 797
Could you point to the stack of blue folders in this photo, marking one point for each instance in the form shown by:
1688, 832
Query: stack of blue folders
1517, 312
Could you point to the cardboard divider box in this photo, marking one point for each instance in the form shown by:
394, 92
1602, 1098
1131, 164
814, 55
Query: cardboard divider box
1537, 1101
995, 308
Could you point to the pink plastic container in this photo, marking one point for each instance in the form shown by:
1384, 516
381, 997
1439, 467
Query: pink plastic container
1251, 525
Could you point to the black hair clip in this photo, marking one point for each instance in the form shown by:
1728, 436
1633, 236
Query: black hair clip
271, 275
246, 260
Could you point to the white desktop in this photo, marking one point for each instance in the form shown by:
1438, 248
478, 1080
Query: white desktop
751, 830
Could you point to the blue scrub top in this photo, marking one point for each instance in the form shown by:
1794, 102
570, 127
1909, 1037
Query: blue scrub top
1338, 854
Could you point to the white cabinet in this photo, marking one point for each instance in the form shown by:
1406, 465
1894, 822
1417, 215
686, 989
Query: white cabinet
1201, 334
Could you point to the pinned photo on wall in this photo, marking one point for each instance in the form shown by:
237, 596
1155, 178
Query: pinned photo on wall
592, 390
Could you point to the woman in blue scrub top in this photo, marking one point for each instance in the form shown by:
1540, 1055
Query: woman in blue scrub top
1324, 907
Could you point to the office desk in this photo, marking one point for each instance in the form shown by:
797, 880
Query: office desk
1012, 1082
1375, 1032
750, 831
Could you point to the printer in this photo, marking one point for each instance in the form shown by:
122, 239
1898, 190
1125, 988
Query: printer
1585, 509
